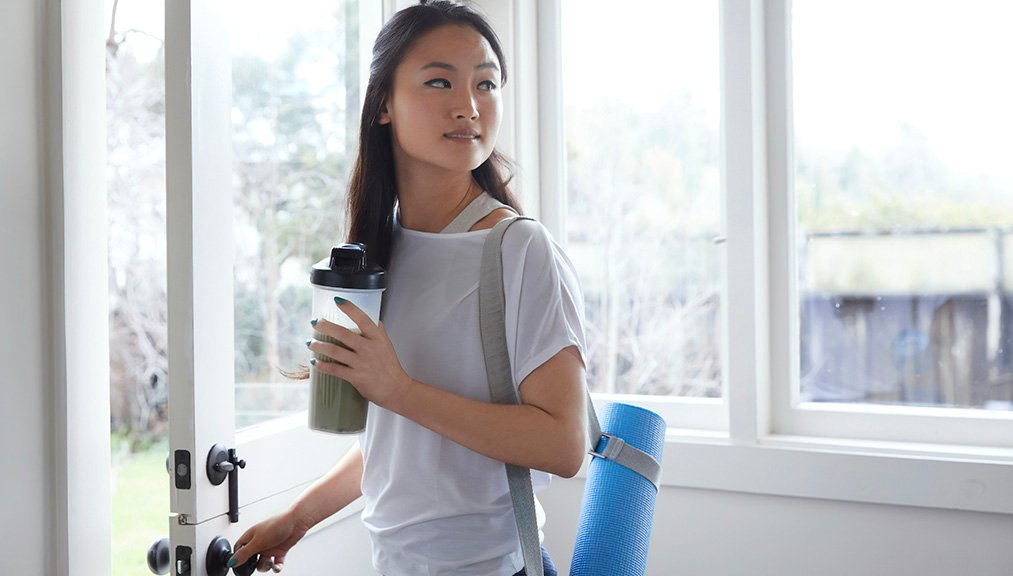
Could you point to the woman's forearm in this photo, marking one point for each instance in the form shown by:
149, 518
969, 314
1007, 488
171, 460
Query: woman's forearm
547, 432
522, 434
331, 492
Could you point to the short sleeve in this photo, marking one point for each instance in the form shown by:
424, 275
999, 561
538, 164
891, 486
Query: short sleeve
544, 301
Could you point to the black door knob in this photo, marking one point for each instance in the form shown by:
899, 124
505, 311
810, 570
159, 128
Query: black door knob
158, 556
218, 556
247, 567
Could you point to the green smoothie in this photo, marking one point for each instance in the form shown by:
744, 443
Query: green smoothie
336, 405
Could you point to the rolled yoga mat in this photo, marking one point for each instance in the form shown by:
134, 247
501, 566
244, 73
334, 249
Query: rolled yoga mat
614, 530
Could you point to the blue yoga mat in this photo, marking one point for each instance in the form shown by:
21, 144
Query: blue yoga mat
618, 508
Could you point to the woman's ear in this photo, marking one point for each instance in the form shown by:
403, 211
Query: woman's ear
383, 117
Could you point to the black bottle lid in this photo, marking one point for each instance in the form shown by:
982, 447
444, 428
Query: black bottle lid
348, 267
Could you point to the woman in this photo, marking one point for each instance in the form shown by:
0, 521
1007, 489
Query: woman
427, 187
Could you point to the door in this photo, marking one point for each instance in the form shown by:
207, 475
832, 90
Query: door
208, 206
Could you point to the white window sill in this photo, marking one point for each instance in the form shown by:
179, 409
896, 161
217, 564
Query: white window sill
969, 478
922, 474
948, 477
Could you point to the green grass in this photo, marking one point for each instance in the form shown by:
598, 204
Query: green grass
140, 508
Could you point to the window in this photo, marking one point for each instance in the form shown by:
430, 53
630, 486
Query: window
644, 223
842, 207
902, 195
887, 157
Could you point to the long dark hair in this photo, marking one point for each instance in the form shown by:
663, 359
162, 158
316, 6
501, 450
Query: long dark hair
373, 188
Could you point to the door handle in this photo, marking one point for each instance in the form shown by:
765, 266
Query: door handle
158, 556
159, 560
223, 463
216, 562
219, 552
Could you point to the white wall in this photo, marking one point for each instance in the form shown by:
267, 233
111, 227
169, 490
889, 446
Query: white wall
24, 379
712, 533
345, 545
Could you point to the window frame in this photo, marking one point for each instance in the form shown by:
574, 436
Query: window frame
931, 425
940, 458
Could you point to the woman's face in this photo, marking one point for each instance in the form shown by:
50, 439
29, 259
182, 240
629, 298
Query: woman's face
444, 106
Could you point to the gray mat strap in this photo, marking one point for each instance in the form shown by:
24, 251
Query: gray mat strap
616, 449
492, 322
492, 315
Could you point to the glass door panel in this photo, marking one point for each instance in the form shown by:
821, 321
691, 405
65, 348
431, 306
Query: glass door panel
295, 109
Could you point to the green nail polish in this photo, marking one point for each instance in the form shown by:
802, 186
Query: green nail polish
231, 562
313, 361
313, 322
339, 300
308, 342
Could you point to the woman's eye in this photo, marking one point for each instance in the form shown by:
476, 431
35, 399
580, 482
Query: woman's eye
487, 85
439, 83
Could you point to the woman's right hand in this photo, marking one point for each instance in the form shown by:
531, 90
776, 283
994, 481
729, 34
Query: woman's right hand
272, 539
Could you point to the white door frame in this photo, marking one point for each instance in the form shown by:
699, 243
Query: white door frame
77, 371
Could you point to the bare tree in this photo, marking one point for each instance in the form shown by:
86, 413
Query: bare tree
642, 218
136, 193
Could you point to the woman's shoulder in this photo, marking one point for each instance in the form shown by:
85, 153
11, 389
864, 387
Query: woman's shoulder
522, 236
493, 218
529, 243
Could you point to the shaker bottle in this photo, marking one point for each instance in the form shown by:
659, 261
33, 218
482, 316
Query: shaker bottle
335, 405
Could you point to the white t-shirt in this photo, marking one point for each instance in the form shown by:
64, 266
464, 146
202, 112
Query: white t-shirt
432, 506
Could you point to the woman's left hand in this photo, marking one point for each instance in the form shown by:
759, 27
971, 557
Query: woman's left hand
369, 363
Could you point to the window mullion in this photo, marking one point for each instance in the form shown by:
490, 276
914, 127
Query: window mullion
552, 162
784, 315
744, 182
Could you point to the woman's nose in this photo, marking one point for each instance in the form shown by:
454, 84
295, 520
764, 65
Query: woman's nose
466, 107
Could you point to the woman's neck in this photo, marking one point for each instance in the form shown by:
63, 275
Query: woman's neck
428, 202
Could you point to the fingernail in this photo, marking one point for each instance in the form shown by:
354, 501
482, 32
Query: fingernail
313, 361
276, 568
308, 342
313, 322
231, 562
339, 300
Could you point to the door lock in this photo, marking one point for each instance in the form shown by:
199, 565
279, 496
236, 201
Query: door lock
223, 463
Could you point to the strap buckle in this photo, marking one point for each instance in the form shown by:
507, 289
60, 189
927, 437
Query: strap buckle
613, 447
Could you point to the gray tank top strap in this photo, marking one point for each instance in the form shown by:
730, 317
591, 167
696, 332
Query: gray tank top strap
477, 209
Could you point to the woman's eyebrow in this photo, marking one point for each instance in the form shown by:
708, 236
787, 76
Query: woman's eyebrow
451, 67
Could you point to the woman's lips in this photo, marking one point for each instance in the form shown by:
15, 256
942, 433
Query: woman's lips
462, 135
